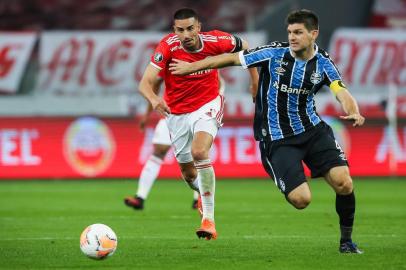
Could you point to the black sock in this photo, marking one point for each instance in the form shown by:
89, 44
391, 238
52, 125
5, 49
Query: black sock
345, 208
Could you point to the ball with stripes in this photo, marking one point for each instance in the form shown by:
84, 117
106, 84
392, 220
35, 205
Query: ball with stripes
98, 241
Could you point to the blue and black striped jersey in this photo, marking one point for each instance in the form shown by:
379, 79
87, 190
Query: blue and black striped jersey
285, 100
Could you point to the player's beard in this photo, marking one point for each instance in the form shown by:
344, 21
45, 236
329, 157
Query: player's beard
190, 44
300, 52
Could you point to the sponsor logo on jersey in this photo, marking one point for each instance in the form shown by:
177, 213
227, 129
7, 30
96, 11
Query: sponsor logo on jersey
205, 71
290, 90
158, 57
315, 78
89, 146
224, 37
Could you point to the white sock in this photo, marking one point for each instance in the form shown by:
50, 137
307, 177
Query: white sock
207, 186
195, 195
148, 176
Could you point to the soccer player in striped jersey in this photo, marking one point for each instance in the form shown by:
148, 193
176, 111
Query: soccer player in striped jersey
286, 122
192, 104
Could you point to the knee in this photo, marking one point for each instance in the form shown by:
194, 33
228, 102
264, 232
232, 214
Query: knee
160, 151
344, 187
160, 154
200, 154
300, 201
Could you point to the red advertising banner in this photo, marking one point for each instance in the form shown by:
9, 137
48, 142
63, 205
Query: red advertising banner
32, 148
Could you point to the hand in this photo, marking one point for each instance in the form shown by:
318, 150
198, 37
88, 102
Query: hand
179, 67
356, 118
160, 106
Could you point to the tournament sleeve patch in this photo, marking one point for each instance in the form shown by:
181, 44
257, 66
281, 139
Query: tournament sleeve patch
158, 57
337, 86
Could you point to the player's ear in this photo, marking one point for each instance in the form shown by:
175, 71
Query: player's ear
315, 34
199, 26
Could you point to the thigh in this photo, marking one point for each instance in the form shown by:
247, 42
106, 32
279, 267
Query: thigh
181, 137
201, 144
284, 164
324, 152
208, 118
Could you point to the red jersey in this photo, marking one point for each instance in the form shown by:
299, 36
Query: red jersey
185, 94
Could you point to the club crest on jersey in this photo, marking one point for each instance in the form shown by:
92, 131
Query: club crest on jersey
158, 57
315, 78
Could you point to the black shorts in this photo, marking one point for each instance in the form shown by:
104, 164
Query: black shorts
317, 148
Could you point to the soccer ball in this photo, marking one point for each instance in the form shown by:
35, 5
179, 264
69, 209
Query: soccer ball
98, 241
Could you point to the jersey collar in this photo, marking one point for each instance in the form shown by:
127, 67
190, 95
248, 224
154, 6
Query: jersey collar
316, 49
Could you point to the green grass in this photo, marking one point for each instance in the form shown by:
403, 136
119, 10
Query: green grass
40, 224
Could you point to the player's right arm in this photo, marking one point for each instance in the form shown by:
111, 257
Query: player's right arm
147, 88
145, 117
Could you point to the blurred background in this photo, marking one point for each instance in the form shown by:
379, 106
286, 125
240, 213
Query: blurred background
69, 74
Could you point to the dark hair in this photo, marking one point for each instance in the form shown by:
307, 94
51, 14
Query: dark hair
307, 17
185, 13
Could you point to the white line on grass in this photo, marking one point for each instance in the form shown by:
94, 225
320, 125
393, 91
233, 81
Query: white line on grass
187, 238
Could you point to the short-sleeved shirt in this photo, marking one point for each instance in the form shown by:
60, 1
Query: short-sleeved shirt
285, 103
185, 94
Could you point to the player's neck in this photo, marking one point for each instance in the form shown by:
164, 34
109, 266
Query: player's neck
196, 48
305, 54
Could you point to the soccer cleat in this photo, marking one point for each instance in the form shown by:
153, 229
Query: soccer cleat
207, 230
349, 247
135, 202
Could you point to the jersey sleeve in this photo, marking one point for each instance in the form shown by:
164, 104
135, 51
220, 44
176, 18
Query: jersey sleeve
256, 56
161, 55
228, 43
333, 77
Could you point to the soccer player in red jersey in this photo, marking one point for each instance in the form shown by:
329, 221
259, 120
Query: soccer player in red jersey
192, 105
161, 144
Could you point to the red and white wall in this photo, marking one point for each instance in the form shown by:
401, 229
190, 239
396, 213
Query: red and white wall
114, 147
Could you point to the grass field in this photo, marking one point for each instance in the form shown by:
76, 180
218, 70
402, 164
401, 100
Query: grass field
40, 224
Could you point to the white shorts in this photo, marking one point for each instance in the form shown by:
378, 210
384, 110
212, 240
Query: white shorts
161, 133
182, 127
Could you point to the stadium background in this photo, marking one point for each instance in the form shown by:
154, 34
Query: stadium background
69, 109
69, 74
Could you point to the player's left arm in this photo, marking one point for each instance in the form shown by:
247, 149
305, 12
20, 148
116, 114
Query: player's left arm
179, 67
348, 103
